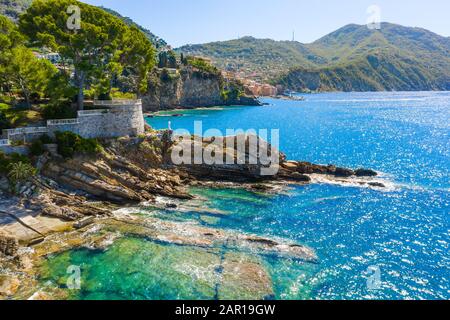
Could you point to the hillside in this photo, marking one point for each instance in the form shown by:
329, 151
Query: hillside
251, 55
13, 8
157, 41
352, 58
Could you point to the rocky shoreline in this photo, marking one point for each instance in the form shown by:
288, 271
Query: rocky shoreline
58, 209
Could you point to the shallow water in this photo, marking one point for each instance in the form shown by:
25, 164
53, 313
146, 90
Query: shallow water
403, 233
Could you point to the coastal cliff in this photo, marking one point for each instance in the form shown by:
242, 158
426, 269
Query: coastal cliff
190, 87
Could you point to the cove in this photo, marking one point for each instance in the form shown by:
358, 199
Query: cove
402, 231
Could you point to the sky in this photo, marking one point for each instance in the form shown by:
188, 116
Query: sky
181, 22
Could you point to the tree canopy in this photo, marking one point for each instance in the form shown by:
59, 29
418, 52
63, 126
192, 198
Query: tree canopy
102, 45
19, 68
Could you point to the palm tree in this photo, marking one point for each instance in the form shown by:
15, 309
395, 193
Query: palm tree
20, 172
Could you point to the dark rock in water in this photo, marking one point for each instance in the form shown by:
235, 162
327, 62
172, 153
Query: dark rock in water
331, 169
365, 173
343, 172
309, 168
171, 206
261, 187
305, 168
377, 184
300, 177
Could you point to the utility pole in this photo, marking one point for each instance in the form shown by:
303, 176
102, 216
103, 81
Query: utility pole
293, 36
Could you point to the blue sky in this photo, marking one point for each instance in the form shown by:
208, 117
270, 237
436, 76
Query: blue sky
182, 22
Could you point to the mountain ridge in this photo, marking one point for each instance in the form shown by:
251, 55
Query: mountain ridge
392, 58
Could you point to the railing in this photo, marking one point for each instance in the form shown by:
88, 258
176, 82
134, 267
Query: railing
83, 113
117, 102
5, 142
62, 122
25, 130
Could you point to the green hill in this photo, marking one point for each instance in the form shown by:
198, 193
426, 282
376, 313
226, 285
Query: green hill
353, 58
264, 57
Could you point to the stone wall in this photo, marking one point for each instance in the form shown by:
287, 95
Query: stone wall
115, 119
114, 122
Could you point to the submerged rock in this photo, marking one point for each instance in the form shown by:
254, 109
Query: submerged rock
242, 278
194, 235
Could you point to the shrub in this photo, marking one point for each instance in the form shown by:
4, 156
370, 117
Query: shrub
116, 94
46, 139
37, 148
61, 109
4, 122
70, 143
20, 172
7, 160
165, 76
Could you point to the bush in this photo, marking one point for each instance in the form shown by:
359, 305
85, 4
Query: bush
70, 143
117, 94
165, 76
61, 109
4, 122
46, 139
20, 172
7, 160
37, 148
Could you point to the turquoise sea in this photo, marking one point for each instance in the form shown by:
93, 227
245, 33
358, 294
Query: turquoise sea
399, 236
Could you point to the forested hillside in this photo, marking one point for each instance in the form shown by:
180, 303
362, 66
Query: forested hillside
353, 58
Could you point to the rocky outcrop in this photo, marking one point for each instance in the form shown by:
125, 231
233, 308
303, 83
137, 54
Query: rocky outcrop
248, 166
111, 178
188, 88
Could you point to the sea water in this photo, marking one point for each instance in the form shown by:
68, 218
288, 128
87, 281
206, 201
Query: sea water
372, 244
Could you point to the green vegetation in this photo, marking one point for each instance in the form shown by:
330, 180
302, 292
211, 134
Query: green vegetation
201, 65
107, 58
13, 8
17, 168
37, 148
70, 144
167, 59
351, 58
29, 74
100, 51
157, 41
232, 91
20, 171
58, 110
17, 116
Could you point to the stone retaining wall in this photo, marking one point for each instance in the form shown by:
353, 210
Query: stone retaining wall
115, 119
